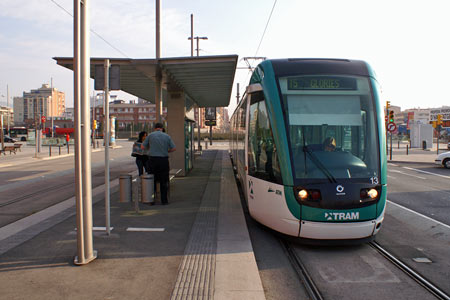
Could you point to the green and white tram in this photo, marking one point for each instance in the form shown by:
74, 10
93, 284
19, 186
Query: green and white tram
307, 144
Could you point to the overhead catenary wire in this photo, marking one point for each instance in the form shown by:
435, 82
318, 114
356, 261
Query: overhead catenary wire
250, 68
265, 29
91, 30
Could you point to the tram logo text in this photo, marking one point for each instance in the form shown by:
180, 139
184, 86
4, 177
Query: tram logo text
342, 216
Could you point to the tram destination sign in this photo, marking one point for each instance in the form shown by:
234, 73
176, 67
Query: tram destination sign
321, 83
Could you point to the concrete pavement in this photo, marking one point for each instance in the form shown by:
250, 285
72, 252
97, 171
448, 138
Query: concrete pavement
415, 155
196, 247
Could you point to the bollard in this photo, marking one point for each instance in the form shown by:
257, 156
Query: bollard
125, 187
59, 150
406, 149
147, 188
49, 150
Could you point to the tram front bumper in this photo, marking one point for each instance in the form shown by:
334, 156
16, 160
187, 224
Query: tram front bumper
339, 231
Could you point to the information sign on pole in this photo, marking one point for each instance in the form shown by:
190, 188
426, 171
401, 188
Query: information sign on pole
211, 123
210, 113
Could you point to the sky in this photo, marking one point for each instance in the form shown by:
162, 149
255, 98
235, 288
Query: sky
405, 41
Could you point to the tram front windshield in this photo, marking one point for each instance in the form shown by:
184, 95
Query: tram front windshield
332, 128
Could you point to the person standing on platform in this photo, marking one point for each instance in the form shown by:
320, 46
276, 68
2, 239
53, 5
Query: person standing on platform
160, 145
141, 154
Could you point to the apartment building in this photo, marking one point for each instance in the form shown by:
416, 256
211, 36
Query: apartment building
45, 101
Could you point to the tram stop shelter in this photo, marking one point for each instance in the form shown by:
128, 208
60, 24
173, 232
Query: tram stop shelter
187, 82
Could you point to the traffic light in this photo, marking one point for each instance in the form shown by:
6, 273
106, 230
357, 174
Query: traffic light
388, 104
391, 116
439, 119
94, 125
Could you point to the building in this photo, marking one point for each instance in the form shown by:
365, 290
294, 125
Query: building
130, 114
69, 113
7, 114
45, 101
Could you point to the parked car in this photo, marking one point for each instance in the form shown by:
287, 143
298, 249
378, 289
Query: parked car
8, 139
443, 159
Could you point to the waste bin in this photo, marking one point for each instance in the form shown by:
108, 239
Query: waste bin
424, 145
125, 187
147, 188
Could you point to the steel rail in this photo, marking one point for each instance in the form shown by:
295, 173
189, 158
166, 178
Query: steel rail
438, 293
52, 188
302, 272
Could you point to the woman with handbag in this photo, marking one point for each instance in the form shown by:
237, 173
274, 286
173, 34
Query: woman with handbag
140, 154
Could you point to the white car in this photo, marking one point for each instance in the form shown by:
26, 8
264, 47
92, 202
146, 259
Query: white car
443, 159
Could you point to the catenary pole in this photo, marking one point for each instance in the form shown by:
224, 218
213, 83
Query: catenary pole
51, 105
84, 127
192, 54
86, 131
7, 105
158, 77
106, 137
80, 259
192, 35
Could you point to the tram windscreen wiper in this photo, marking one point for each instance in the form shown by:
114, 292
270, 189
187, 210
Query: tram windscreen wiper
319, 164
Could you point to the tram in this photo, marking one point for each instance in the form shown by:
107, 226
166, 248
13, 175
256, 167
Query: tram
307, 143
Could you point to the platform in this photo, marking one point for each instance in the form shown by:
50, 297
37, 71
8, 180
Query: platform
197, 247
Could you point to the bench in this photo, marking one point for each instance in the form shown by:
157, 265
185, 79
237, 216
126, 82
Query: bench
9, 148
17, 147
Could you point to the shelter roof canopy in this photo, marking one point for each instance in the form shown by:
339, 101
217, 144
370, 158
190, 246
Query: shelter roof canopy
207, 80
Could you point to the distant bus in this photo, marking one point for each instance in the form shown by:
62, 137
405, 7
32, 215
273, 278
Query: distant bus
58, 131
19, 133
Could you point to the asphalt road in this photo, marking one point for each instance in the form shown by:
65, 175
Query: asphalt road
423, 188
29, 185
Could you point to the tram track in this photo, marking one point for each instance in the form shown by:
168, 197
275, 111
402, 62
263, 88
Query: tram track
437, 292
301, 271
314, 292
48, 189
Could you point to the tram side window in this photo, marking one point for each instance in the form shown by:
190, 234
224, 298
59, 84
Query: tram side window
241, 132
262, 155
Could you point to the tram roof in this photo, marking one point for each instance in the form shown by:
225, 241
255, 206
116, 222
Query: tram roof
297, 66
206, 80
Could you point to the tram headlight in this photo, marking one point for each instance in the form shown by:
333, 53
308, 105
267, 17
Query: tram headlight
372, 193
303, 194
369, 194
307, 196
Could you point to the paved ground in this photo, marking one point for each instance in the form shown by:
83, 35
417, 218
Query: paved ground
191, 247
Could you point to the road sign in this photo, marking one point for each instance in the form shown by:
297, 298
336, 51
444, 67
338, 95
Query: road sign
391, 127
210, 123
43, 119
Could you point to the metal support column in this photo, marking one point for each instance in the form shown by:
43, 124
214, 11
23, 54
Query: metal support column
158, 79
83, 190
107, 137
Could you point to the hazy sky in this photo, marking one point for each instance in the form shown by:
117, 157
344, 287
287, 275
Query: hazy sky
406, 42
